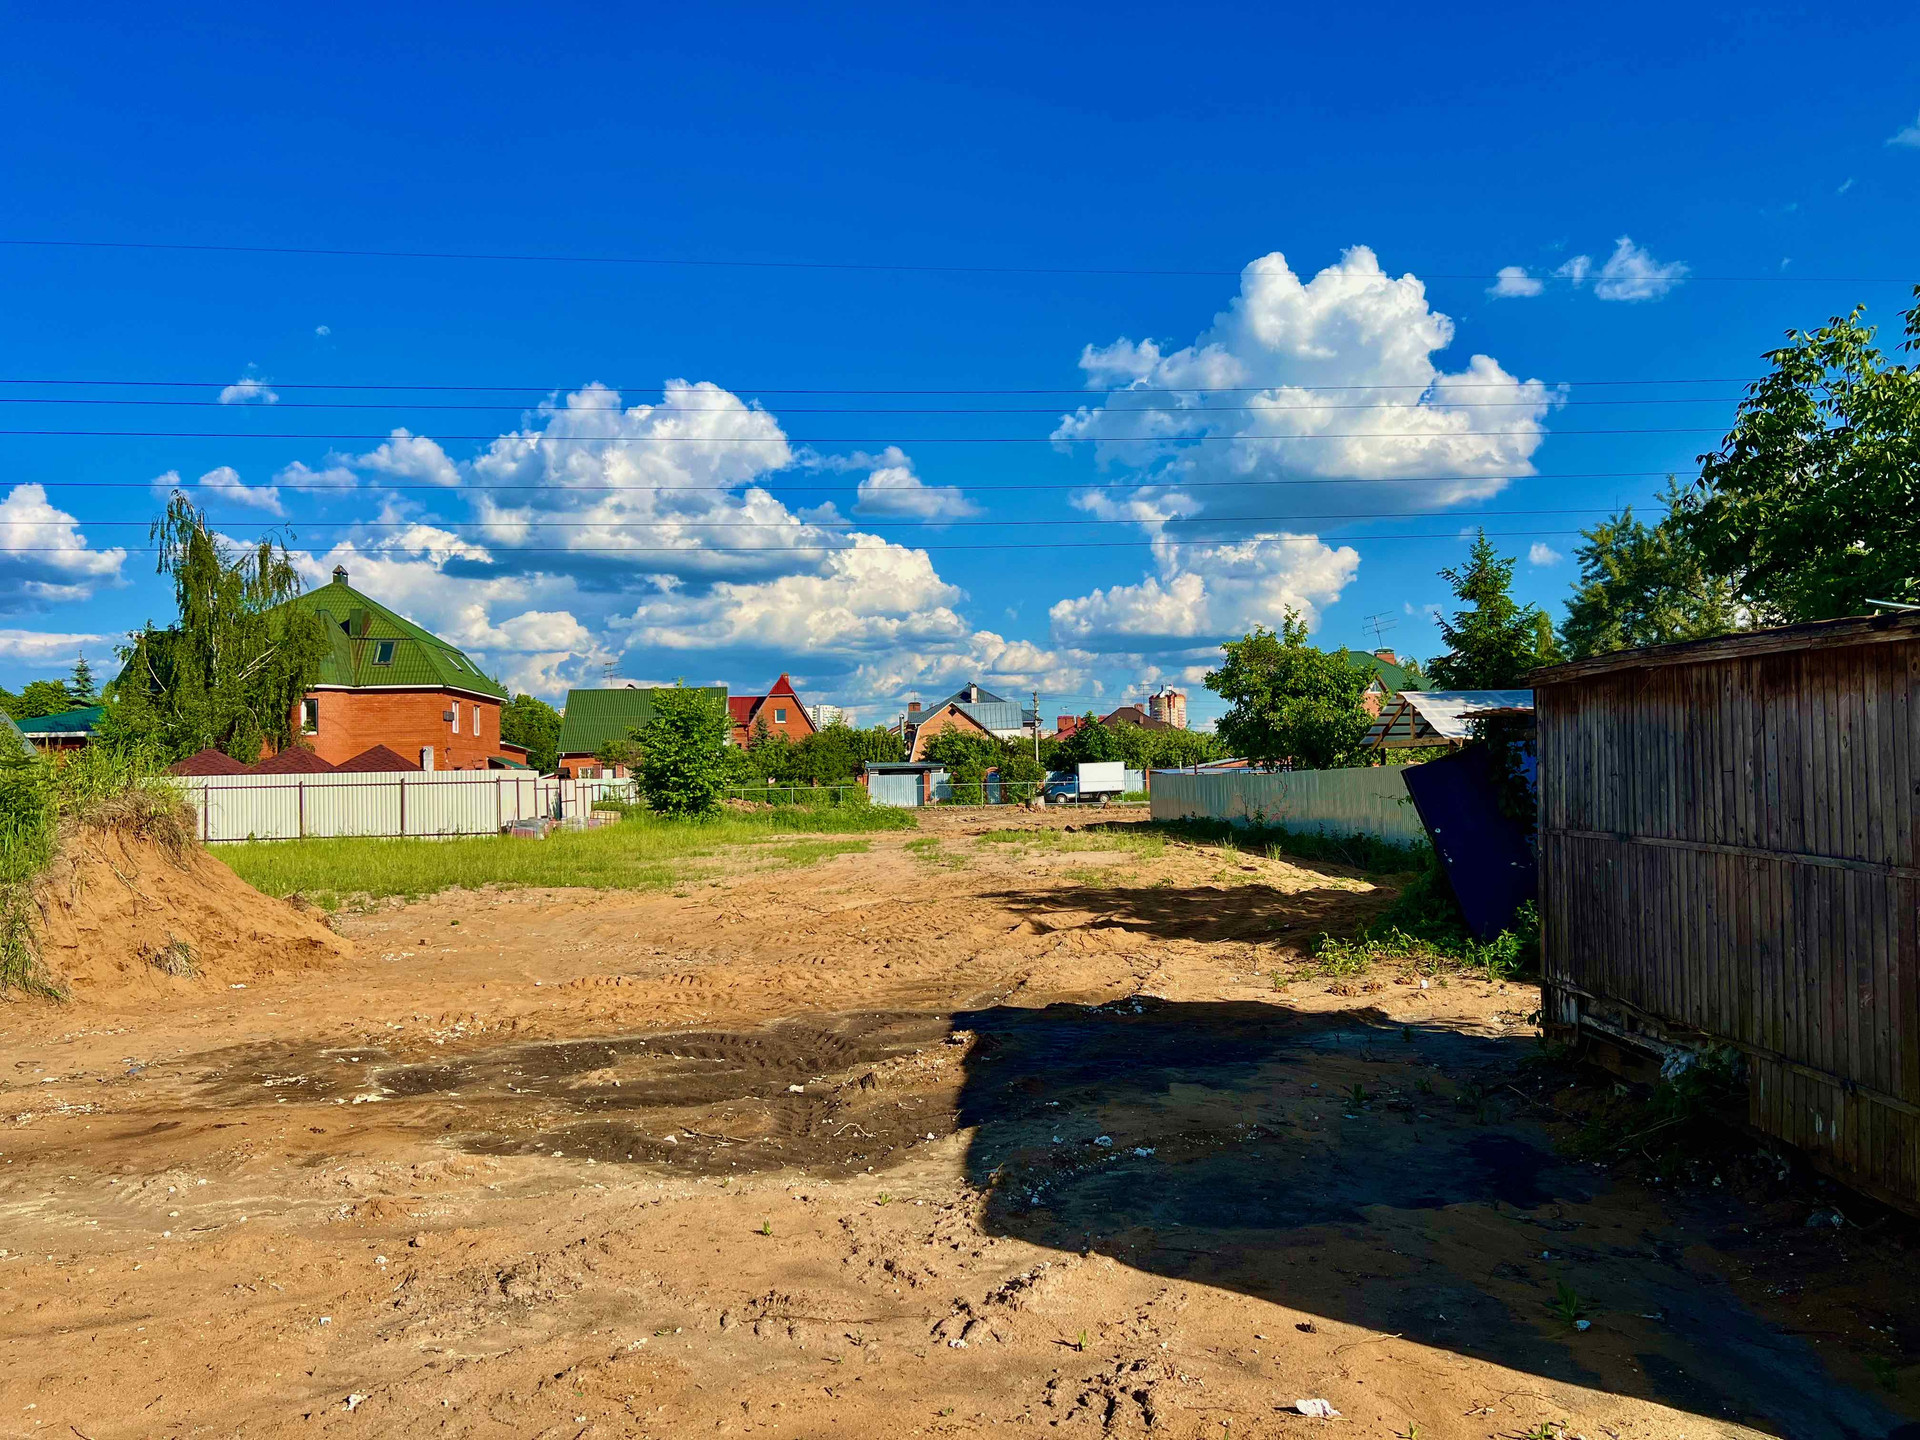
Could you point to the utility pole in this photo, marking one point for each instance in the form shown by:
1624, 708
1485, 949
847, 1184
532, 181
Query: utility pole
1036, 727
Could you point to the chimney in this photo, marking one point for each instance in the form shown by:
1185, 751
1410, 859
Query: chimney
913, 707
973, 694
339, 574
1386, 655
1064, 723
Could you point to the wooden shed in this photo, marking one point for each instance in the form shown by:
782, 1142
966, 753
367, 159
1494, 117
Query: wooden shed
1730, 855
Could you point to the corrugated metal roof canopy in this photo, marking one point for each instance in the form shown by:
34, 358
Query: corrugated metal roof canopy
1440, 717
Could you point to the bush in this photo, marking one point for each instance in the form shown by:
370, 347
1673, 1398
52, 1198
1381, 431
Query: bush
683, 767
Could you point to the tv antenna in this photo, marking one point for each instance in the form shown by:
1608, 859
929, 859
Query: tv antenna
1378, 625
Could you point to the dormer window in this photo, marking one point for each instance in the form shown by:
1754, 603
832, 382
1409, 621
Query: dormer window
383, 652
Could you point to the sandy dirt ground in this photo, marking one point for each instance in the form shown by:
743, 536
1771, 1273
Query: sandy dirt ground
952, 1135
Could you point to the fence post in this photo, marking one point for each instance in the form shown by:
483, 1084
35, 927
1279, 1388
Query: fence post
206, 815
499, 807
403, 805
302, 802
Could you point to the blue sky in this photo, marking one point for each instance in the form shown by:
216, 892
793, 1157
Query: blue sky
1019, 363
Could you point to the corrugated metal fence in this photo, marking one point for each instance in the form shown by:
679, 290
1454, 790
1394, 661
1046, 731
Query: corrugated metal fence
455, 802
1369, 801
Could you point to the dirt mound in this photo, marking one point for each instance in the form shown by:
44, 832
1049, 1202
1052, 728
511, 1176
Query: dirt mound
122, 916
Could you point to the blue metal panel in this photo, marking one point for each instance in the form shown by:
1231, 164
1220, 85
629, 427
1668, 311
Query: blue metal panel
1487, 854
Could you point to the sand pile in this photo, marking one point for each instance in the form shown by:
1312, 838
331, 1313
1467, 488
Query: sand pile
125, 915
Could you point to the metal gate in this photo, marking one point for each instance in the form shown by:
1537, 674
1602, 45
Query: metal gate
898, 790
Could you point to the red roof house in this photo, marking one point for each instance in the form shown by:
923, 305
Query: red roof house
294, 760
207, 762
780, 708
376, 760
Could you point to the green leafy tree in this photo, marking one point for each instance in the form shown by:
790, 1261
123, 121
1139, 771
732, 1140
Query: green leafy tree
970, 757
1643, 584
81, 686
1811, 505
42, 697
1289, 702
231, 672
1495, 641
1092, 742
528, 720
683, 762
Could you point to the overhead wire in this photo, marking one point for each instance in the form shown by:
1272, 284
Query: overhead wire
853, 266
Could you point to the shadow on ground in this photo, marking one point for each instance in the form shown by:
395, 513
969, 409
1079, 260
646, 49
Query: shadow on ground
1253, 912
1356, 1169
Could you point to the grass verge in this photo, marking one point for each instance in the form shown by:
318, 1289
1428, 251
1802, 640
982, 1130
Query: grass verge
1128, 838
643, 852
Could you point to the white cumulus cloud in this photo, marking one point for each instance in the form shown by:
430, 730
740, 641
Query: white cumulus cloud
406, 456
1329, 378
42, 646
43, 556
1631, 273
223, 482
895, 491
248, 390
1907, 139
1542, 554
1514, 283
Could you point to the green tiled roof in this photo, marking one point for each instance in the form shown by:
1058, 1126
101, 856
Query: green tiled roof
364, 634
68, 722
1394, 677
593, 717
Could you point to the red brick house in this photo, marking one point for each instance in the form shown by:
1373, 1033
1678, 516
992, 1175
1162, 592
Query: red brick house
386, 681
780, 708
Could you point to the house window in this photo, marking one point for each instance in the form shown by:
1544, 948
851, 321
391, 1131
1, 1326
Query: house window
455, 713
780, 717
383, 652
310, 716
476, 720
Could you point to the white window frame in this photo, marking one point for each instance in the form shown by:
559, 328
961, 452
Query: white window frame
310, 715
780, 716
476, 719
456, 717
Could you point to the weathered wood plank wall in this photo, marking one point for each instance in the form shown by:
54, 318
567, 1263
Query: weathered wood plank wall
1730, 847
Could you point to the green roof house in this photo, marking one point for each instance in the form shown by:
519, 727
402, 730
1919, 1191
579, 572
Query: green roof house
592, 718
1388, 676
69, 730
387, 681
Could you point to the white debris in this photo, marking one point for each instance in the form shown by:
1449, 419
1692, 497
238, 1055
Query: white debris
353, 1401
1103, 1139
1318, 1409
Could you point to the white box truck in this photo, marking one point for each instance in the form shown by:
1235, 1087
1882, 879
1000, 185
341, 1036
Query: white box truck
1101, 779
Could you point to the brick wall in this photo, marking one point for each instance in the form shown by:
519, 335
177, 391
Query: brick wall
951, 718
795, 727
406, 721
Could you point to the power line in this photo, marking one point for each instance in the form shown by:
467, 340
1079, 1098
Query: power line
797, 524
869, 267
547, 435
414, 406
1079, 390
317, 487
776, 550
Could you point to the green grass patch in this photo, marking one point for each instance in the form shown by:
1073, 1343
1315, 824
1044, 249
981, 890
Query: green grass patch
643, 852
1424, 929
1147, 845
